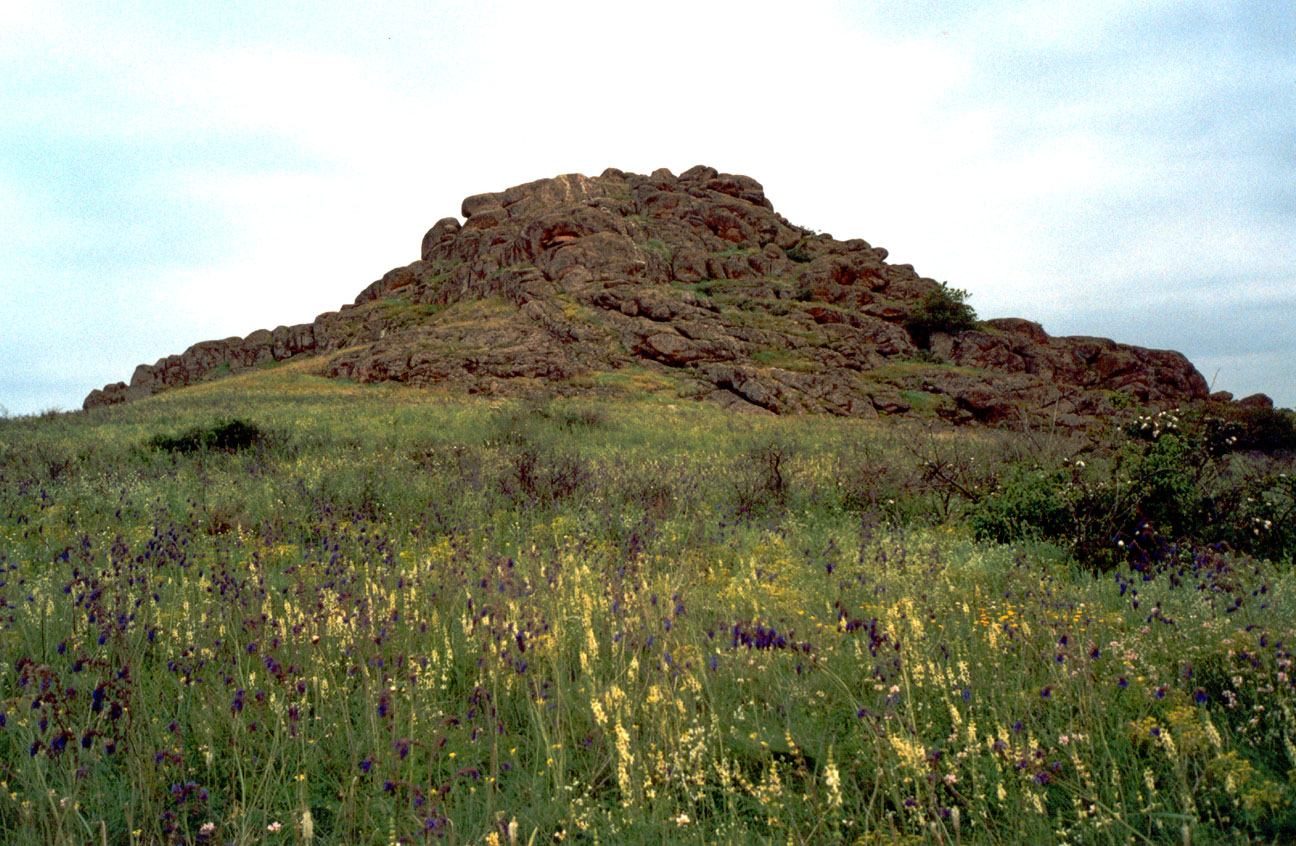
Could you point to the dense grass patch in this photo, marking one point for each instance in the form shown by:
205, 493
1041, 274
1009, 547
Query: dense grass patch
413, 617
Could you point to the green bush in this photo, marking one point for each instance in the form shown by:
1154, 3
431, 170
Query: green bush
943, 310
223, 436
1265, 430
1164, 484
1028, 504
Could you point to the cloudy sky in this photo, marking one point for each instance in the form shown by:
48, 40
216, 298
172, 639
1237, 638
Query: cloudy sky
171, 173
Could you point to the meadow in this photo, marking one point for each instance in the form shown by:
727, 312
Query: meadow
279, 609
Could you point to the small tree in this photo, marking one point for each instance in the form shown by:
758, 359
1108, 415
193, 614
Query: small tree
943, 310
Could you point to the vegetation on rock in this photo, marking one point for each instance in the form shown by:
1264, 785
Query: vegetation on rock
943, 309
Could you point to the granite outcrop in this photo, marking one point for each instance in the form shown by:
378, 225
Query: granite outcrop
546, 285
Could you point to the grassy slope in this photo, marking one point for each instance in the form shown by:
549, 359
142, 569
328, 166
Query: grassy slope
417, 615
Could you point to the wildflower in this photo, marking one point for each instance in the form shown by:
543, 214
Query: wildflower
274, 827
682, 819
625, 758
206, 828
833, 779
1213, 735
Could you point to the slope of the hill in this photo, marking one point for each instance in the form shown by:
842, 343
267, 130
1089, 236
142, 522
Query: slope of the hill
547, 285
412, 613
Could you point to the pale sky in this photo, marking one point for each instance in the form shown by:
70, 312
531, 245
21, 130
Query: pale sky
172, 173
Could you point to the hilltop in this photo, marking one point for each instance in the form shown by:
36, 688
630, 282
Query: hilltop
550, 286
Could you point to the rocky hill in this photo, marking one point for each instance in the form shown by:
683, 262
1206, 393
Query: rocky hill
552, 285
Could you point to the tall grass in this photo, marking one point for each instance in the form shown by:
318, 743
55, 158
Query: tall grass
397, 616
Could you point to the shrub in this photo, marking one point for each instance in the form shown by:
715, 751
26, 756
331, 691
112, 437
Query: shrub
761, 477
535, 475
868, 481
1264, 430
224, 436
538, 421
1164, 485
1028, 504
580, 417
943, 310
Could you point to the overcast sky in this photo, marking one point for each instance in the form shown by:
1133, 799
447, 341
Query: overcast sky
172, 173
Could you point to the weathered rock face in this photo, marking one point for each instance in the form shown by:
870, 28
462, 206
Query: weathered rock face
696, 276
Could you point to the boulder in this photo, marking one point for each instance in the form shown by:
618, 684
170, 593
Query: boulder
443, 230
1256, 401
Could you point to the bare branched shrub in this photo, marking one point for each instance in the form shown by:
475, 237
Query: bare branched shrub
870, 480
461, 461
655, 497
761, 477
225, 516
534, 475
948, 472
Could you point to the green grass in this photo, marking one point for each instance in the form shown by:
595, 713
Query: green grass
661, 248
923, 402
419, 616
